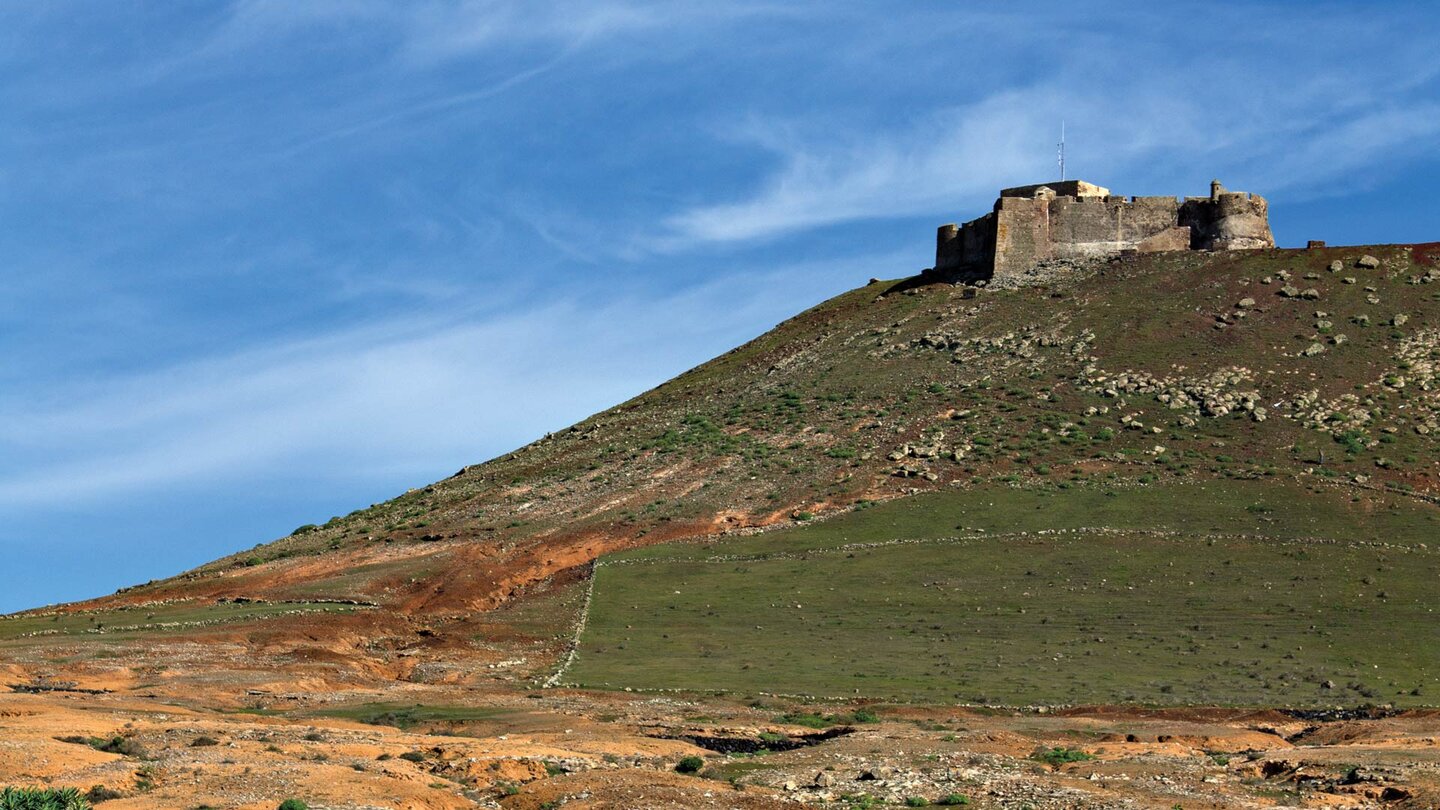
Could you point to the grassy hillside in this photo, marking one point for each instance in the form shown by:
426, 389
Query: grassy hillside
1236, 592
1150, 369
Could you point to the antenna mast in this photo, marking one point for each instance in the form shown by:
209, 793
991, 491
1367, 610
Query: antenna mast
1062, 149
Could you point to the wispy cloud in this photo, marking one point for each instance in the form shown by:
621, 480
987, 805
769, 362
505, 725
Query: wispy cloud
1271, 119
394, 397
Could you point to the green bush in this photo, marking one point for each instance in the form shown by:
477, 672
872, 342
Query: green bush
413, 756
293, 804
1055, 757
916, 801
690, 765
12, 798
953, 800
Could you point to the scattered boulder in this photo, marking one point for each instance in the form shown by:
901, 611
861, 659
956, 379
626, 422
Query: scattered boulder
1368, 262
1336, 266
1310, 294
1399, 320
1289, 292
1246, 303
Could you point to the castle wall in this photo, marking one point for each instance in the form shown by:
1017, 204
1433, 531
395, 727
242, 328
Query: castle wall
1107, 226
1034, 223
1022, 233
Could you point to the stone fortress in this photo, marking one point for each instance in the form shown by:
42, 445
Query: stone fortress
1076, 220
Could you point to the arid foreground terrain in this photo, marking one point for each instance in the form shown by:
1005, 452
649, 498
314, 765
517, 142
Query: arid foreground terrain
180, 726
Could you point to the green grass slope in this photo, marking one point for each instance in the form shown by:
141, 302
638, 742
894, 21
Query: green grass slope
1233, 592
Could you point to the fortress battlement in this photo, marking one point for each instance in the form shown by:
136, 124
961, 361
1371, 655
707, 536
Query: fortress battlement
1076, 219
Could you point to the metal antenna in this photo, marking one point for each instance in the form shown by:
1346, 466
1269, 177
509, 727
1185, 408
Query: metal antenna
1062, 149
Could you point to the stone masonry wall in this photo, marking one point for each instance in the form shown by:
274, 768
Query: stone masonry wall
1030, 224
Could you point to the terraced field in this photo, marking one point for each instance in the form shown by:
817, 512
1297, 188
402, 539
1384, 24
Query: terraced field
153, 619
1222, 593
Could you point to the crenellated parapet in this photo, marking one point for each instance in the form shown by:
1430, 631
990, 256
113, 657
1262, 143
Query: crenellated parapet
1076, 220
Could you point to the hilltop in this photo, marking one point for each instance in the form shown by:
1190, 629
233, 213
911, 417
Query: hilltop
1144, 368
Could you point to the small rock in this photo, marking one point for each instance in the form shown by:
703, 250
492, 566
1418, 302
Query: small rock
1310, 294
1289, 292
1368, 262
1246, 303
1399, 320
1314, 349
1336, 266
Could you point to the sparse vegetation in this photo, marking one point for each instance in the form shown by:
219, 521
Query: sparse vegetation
13, 798
1149, 609
1057, 756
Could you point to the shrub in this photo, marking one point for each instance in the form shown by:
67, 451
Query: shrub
413, 756
203, 741
953, 800
1055, 757
916, 801
42, 799
293, 804
690, 764
124, 746
101, 793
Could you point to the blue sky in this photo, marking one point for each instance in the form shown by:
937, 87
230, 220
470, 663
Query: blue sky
264, 262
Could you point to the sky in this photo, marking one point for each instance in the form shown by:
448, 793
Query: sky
265, 262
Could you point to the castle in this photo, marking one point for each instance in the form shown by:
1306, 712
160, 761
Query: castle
1073, 219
